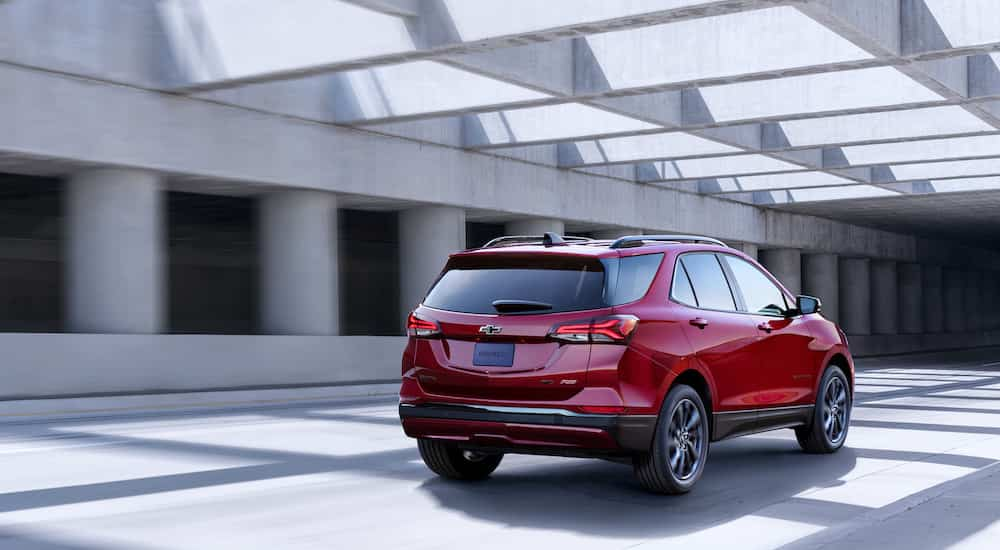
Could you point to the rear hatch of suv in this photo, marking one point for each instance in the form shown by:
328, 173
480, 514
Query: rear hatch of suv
516, 327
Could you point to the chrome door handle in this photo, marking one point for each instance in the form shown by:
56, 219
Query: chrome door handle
765, 327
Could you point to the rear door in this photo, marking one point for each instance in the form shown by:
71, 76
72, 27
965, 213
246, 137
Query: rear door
785, 376
722, 337
495, 312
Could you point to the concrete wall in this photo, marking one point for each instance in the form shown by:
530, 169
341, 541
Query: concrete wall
78, 364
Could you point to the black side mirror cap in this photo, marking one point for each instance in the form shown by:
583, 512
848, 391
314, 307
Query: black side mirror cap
807, 305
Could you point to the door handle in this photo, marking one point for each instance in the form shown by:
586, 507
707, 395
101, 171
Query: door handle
766, 327
699, 322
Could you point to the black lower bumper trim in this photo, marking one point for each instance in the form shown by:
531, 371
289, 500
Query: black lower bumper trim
631, 432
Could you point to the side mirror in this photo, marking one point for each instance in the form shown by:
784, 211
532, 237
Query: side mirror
808, 305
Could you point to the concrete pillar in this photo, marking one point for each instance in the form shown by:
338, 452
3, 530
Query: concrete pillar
884, 297
933, 292
427, 235
115, 252
954, 305
973, 301
535, 226
821, 278
612, 234
855, 295
751, 250
991, 297
911, 299
786, 265
298, 251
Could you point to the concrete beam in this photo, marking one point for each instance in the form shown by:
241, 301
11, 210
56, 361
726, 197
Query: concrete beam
399, 8
77, 121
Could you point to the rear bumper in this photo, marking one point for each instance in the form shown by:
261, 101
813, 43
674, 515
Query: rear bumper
531, 429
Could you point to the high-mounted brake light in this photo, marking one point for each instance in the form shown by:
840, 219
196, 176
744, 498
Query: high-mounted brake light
604, 330
421, 328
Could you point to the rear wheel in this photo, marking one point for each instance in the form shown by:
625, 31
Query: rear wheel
450, 461
680, 445
831, 417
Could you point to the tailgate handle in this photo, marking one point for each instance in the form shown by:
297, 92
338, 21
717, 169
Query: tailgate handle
699, 322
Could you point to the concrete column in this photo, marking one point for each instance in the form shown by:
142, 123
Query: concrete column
298, 251
991, 298
855, 295
954, 305
427, 235
911, 299
973, 301
612, 234
933, 305
751, 250
535, 226
786, 265
821, 278
884, 297
115, 252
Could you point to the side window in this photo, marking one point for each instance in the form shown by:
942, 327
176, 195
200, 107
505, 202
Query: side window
759, 293
709, 282
632, 278
681, 290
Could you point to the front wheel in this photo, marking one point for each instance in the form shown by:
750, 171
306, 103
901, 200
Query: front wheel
680, 446
448, 460
831, 416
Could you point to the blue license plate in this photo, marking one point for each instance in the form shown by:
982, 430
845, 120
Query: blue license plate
493, 355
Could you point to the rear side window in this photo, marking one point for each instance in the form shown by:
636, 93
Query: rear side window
471, 285
629, 278
708, 281
681, 290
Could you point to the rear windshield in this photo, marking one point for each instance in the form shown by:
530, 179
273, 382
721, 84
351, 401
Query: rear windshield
545, 285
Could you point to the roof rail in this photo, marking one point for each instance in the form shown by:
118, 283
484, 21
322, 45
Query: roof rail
637, 240
548, 239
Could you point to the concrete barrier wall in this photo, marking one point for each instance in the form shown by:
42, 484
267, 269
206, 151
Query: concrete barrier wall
80, 364
883, 344
48, 365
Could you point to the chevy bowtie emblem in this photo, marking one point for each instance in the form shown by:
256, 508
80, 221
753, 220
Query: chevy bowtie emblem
490, 329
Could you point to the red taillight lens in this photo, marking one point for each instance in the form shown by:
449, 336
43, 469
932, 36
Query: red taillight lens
605, 330
421, 328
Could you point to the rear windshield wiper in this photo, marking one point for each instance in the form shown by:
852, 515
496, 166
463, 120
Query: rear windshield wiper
518, 306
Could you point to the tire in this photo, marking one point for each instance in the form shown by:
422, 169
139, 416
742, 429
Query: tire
679, 450
831, 416
447, 460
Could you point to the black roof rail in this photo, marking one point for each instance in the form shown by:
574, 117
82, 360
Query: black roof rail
548, 239
638, 240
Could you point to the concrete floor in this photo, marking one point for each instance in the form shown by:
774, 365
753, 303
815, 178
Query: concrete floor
920, 471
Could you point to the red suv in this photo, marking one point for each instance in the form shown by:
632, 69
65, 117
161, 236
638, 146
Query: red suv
645, 349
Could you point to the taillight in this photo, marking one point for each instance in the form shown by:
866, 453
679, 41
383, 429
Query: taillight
421, 328
604, 330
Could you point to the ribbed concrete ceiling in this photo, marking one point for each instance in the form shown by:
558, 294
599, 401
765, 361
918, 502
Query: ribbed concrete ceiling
881, 112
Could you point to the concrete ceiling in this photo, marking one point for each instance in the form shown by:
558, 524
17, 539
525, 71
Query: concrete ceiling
972, 217
878, 112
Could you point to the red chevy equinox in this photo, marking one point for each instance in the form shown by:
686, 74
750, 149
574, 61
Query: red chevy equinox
643, 349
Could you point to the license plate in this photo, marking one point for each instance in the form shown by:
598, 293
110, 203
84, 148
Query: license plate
493, 355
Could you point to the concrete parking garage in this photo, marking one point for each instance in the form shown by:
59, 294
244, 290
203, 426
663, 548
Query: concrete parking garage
215, 215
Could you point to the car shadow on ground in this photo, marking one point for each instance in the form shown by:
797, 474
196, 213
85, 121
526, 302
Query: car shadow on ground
600, 498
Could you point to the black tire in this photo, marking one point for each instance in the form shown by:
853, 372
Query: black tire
447, 460
828, 430
655, 470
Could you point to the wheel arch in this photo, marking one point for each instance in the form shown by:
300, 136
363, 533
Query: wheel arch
702, 385
841, 360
